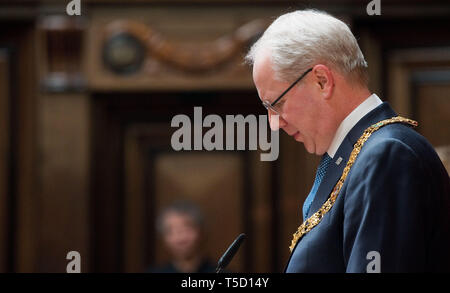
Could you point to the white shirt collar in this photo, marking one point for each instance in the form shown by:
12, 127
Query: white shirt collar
347, 124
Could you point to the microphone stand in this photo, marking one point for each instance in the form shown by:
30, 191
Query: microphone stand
229, 253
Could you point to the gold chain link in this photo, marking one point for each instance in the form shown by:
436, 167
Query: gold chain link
315, 219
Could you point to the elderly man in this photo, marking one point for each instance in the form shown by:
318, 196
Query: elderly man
381, 198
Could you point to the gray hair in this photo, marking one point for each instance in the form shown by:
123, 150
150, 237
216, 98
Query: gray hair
298, 40
183, 207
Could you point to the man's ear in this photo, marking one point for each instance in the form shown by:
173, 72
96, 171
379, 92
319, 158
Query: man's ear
323, 79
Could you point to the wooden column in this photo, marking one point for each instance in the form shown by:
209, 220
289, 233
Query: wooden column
64, 169
4, 159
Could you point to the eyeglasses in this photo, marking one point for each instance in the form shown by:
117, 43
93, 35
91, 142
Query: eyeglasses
277, 107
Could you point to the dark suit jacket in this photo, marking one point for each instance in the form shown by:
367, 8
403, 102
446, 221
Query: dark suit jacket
395, 201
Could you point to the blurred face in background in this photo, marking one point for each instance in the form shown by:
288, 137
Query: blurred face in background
181, 235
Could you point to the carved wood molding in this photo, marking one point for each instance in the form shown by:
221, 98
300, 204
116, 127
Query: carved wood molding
61, 53
197, 58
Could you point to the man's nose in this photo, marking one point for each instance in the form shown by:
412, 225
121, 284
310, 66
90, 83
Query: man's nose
276, 122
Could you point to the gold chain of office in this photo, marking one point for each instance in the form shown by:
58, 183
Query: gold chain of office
315, 219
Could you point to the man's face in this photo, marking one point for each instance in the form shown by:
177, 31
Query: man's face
301, 106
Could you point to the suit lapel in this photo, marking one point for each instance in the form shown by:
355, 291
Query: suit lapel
340, 159
332, 175
337, 165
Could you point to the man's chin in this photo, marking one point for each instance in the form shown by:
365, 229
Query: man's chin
298, 137
313, 150
309, 149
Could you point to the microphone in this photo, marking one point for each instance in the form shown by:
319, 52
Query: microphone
231, 251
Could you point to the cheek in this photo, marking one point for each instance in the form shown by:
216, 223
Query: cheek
303, 115
294, 116
295, 108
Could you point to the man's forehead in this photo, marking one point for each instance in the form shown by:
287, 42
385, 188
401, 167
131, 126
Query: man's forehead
263, 73
262, 65
264, 77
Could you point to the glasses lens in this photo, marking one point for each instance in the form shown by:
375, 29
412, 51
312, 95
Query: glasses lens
277, 108
269, 107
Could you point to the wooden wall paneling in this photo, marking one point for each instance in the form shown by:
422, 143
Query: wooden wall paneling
215, 182
106, 189
401, 64
261, 212
143, 244
64, 150
139, 251
431, 104
115, 117
5, 159
399, 90
24, 150
166, 183
371, 48
444, 154
407, 96
134, 246
297, 170
247, 197
61, 53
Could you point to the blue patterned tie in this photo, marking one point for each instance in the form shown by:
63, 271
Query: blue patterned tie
321, 170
